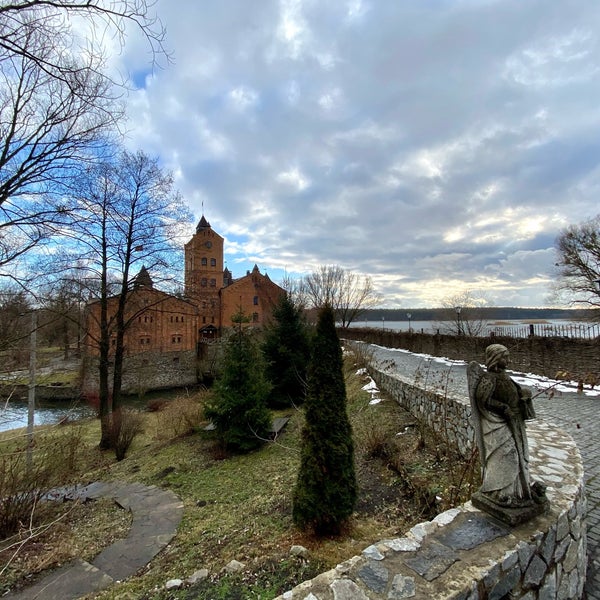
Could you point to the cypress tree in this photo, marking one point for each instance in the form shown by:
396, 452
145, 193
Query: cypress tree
287, 351
238, 408
325, 492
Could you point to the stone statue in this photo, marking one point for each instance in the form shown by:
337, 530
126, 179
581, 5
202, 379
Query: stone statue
500, 408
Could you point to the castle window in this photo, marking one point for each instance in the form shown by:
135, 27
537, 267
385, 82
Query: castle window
204, 282
204, 262
213, 262
144, 341
204, 319
255, 300
255, 317
176, 339
213, 283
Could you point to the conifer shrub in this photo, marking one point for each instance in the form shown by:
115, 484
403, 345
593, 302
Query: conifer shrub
326, 489
238, 408
287, 352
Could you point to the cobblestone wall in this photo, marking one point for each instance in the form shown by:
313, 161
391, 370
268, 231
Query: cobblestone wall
147, 371
463, 554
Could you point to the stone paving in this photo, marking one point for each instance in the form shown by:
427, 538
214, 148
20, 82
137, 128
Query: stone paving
156, 516
578, 416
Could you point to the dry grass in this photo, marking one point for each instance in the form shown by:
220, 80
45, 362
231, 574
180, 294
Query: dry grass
239, 507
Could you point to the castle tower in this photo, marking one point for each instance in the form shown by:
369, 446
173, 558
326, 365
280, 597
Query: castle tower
204, 275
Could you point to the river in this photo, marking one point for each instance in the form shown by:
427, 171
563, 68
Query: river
13, 415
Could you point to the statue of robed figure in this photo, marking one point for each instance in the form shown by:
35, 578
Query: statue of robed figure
499, 409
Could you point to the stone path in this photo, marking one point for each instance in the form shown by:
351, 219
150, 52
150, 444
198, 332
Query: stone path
156, 516
578, 416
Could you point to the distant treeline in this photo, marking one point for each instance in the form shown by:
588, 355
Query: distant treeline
491, 313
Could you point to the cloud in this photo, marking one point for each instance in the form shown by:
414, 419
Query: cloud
437, 147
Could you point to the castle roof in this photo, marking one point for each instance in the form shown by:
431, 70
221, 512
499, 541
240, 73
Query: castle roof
202, 225
143, 279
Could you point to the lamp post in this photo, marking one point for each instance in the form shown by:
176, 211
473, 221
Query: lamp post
409, 316
458, 325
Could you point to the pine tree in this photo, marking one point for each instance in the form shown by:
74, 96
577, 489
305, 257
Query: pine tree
326, 489
287, 351
238, 408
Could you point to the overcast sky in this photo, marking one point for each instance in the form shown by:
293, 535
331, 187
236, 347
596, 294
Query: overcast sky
438, 146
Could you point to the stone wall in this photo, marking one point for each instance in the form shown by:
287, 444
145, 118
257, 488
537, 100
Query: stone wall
147, 371
463, 554
542, 355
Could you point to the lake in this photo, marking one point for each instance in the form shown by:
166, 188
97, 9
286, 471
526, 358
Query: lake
514, 328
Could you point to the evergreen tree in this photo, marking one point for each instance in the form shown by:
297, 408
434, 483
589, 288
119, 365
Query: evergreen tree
238, 408
287, 351
325, 492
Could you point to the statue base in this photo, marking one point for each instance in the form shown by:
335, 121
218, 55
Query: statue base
511, 515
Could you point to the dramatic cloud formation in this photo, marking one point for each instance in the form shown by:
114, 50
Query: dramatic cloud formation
436, 145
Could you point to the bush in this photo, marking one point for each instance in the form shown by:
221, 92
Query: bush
179, 417
126, 425
24, 481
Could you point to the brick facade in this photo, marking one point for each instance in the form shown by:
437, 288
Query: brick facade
164, 331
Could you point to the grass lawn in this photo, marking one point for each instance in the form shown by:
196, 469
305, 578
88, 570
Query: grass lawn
237, 507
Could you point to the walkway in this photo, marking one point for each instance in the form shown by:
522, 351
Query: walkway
156, 516
577, 414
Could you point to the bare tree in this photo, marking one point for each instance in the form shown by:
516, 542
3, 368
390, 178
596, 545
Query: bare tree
462, 314
15, 309
347, 293
57, 105
578, 262
128, 216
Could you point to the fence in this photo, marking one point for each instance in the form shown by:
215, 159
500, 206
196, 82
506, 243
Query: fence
580, 331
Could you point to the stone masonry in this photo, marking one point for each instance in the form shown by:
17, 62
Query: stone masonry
463, 554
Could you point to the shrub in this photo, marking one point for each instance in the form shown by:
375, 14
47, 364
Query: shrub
26, 478
126, 425
179, 417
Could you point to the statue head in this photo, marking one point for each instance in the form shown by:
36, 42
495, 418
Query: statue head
496, 357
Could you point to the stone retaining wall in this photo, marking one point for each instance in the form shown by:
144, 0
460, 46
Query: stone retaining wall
147, 371
463, 554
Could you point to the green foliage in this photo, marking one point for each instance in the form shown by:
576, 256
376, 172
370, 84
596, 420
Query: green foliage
238, 407
287, 351
326, 489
